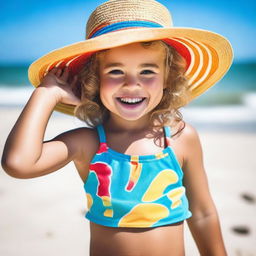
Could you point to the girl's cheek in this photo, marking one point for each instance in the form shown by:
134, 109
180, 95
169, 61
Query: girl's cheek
150, 82
110, 81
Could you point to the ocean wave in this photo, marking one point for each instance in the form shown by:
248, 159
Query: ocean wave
11, 97
220, 114
239, 113
250, 100
19, 95
239, 118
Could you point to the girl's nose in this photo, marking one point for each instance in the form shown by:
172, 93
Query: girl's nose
131, 81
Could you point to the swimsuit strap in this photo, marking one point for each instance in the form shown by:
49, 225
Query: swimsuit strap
101, 133
168, 134
167, 131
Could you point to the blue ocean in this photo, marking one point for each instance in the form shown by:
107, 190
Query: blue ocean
238, 85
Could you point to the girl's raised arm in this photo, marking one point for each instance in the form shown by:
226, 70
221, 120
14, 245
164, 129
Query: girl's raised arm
25, 154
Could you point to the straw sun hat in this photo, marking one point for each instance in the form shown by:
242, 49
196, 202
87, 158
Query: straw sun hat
119, 22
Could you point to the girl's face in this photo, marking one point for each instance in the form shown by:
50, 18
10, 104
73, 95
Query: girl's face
132, 79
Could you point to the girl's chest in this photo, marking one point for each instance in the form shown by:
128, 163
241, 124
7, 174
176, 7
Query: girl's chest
136, 147
144, 147
129, 146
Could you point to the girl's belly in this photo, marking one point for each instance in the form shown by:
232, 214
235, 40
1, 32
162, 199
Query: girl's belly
160, 241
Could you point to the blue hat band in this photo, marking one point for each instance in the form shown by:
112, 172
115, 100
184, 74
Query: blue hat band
123, 25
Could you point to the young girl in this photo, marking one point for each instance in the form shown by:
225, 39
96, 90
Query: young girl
140, 162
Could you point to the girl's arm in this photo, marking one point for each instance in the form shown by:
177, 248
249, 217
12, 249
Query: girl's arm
204, 223
25, 154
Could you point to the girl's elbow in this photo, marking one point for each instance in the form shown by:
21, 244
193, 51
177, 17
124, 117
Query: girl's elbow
15, 168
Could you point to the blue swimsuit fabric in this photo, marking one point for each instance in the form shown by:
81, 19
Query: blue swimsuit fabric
135, 191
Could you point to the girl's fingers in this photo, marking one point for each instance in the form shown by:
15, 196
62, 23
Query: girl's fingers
73, 81
61, 81
58, 72
65, 74
53, 71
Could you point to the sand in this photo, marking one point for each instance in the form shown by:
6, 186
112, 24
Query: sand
45, 216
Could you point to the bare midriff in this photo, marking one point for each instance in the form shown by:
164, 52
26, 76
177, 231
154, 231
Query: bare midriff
159, 241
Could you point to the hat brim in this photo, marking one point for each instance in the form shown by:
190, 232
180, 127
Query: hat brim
208, 55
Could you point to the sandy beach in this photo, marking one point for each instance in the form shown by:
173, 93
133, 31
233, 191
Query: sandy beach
45, 216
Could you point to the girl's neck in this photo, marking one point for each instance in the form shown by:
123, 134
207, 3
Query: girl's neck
116, 123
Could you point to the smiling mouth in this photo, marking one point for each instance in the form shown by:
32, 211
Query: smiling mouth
131, 101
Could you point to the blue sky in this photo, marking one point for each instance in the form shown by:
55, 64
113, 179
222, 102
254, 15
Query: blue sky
30, 29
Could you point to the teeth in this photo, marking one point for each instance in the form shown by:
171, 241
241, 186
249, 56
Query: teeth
131, 100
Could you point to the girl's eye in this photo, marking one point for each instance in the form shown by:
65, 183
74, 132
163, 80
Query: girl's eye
116, 72
147, 72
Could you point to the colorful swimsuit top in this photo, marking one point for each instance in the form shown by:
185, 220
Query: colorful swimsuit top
135, 191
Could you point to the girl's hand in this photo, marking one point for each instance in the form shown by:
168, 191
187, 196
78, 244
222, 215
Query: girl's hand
59, 83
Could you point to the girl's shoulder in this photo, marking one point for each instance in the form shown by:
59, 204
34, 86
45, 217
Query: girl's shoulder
78, 135
83, 141
185, 137
185, 141
183, 130
86, 137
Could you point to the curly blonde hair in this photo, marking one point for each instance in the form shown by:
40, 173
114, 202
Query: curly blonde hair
175, 95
